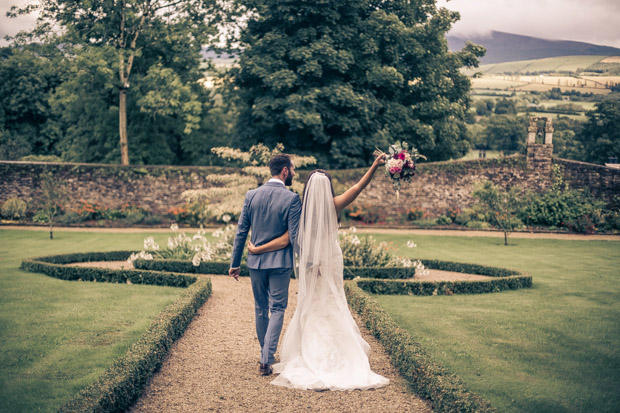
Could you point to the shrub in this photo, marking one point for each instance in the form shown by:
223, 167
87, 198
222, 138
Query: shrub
14, 208
368, 214
561, 206
364, 251
413, 214
196, 249
478, 225
443, 220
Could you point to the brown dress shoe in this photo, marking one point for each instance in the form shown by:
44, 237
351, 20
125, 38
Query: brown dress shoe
265, 369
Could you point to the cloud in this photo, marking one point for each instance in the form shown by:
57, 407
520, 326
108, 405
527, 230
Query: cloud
594, 21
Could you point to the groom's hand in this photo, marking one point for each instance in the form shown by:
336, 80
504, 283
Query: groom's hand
234, 272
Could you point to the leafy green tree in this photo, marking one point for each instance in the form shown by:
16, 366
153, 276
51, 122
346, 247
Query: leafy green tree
484, 107
505, 107
600, 136
565, 138
28, 77
505, 132
122, 32
339, 78
501, 207
53, 198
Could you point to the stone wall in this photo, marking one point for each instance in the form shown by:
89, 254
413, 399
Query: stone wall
436, 187
156, 188
602, 181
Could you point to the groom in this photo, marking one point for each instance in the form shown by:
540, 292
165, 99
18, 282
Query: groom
269, 211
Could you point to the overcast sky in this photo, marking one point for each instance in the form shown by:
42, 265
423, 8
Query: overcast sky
592, 21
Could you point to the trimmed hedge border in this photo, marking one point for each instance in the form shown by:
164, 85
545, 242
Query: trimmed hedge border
503, 279
120, 385
53, 266
222, 268
427, 378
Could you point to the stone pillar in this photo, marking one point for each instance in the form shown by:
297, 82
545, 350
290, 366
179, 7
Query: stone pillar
549, 132
539, 155
531, 130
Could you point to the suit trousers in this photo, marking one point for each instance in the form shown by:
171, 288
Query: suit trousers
270, 288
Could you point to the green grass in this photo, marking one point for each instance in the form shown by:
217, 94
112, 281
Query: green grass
555, 347
57, 336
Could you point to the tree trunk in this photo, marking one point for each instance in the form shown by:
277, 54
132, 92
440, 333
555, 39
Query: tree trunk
505, 237
122, 125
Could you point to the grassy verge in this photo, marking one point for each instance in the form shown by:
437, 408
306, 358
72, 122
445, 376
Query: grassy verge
56, 337
554, 347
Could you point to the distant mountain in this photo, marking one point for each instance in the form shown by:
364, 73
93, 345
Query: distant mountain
507, 47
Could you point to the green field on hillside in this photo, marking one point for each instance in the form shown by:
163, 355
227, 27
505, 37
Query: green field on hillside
550, 64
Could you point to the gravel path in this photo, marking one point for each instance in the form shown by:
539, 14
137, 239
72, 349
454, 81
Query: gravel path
214, 367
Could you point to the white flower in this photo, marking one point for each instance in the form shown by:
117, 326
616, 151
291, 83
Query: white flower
174, 227
172, 243
353, 230
150, 244
226, 218
143, 255
196, 260
411, 244
355, 240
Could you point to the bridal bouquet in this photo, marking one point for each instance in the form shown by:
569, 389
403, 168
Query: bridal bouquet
400, 163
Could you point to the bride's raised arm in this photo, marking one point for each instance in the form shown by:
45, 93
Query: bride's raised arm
341, 201
275, 244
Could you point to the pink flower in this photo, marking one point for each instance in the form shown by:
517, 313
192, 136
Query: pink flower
395, 170
401, 156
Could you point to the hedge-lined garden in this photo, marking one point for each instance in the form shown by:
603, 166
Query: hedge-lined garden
122, 383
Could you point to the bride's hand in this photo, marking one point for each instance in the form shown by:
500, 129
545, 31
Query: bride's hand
380, 159
251, 248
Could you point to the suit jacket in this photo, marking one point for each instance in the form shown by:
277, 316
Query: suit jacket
269, 211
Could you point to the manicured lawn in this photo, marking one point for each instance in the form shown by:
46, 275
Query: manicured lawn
58, 336
555, 347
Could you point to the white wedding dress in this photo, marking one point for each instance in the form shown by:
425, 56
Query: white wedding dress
322, 347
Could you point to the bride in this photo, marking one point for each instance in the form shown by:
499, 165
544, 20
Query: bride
322, 347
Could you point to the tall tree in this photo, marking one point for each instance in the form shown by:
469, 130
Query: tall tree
340, 77
600, 135
121, 29
28, 77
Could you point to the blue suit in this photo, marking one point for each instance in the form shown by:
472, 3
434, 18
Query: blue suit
269, 211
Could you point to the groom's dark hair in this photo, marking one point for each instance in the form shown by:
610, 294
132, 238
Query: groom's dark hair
279, 162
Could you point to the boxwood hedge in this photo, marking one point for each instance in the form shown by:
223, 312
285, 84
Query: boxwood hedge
53, 266
502, 279
426, 377
222, 268
122, 383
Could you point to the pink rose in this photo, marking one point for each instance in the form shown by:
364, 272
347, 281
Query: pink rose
401, 156
395, 170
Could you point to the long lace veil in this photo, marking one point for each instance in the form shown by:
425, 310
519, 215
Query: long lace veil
317, 267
